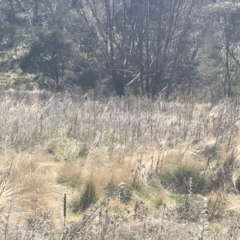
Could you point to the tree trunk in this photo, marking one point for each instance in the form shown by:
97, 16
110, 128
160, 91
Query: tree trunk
35, 13
147, 47
227, 80
118, 80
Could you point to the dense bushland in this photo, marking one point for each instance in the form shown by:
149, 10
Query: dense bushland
168, 47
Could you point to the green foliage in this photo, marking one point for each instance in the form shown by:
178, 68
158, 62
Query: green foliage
128, 52
83, 151
88, 197
178, 180
7, 33
85, 72
49, 55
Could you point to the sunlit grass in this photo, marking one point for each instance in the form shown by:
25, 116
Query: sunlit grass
134, 157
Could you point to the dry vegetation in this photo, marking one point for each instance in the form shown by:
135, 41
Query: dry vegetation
131, 168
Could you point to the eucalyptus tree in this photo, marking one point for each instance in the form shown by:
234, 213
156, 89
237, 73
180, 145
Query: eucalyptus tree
49, 54
224, 37
114, 27
144, 42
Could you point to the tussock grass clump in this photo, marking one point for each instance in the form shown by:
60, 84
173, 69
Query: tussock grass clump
69, 174
161, 199
67, 149
177, 179
216, 205
88, 197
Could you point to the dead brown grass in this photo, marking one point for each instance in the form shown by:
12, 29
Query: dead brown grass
53, 144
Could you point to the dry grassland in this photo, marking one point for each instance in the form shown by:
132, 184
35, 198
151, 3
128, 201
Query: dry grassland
131, 168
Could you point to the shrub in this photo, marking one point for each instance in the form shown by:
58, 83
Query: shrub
49, 55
